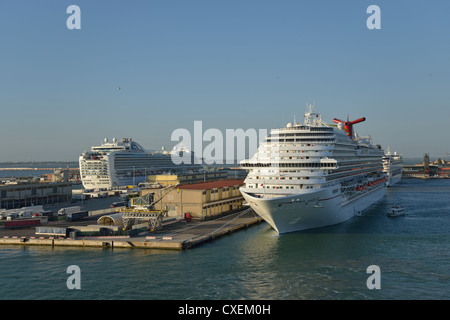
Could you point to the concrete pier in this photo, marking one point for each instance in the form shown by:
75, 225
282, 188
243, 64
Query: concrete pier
178, 235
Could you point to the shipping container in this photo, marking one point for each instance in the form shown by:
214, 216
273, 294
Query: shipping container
22, 223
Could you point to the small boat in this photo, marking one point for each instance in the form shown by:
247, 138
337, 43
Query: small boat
396, 210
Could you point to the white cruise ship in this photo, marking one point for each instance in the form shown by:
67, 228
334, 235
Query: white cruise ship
125, 162
392, 166
313, 175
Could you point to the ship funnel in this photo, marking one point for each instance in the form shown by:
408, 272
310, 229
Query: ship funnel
348, 125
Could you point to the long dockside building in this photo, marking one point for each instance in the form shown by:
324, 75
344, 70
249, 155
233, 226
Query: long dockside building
28, 194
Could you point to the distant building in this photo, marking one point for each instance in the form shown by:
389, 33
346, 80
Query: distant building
444, 172
201, 200
187, 178
27, 194
421, 170
62, 175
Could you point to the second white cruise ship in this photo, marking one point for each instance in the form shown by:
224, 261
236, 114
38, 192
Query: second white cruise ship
313, 175
392, 166
125, 162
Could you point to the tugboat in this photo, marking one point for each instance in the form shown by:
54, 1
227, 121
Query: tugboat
396, 211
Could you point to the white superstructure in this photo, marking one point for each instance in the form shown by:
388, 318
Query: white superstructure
124, 162
313, 175
392, 166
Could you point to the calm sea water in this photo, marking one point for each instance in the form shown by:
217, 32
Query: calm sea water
412, 252
23, 173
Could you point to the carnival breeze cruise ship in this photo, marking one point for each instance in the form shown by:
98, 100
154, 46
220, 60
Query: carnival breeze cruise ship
125, 162
313, 175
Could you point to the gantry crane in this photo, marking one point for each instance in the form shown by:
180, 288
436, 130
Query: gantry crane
143, 209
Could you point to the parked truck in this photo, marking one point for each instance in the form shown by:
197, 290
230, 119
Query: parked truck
119, 204
10, 214
72, 216
66, 211
24, 212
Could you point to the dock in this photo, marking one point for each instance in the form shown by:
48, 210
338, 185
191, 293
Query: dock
174, 235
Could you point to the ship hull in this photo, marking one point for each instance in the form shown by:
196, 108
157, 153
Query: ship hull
311, 210
393, 180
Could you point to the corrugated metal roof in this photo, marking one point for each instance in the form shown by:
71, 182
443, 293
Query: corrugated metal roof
212, 185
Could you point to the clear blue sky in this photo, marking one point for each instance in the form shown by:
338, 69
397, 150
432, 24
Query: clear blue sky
232, 64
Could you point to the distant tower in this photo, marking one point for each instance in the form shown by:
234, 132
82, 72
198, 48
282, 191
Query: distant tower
426, 163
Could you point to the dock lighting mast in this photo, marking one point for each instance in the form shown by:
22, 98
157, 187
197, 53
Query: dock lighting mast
348, 125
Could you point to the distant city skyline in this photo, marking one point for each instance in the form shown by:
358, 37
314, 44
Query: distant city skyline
142, 69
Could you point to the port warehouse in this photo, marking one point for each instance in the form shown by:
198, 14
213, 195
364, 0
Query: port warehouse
28, 194
201, 200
